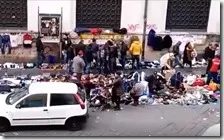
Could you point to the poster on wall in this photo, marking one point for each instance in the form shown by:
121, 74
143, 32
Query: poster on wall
50, 26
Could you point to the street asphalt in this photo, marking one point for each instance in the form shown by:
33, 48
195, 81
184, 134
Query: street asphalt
145, 120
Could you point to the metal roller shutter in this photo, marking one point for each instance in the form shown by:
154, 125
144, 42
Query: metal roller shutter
13, 13
98, 13
188, 15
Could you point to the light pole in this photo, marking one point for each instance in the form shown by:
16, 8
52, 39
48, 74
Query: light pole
144, 29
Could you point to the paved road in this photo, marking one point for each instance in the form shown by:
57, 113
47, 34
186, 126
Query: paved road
145, 120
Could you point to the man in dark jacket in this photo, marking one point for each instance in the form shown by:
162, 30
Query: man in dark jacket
70, 56
123, 52
106, 59
101, 59
95, 48
113, 54
209, 54
88, 58
155, 81
66, 43
80, 47
117, 90
40, 51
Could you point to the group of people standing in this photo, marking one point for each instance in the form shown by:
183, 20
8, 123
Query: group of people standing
81, 57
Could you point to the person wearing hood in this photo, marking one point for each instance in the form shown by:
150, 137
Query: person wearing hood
187, 58
78, 65
176, 52
40, 51
136, 50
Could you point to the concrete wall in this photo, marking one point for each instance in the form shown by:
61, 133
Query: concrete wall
131, 17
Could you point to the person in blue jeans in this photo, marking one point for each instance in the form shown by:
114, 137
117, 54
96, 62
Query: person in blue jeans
70, 55
213, 69
123, 52
88, 59
5, 43
40, 51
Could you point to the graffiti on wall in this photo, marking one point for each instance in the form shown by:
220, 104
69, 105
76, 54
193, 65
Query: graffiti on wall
137, 27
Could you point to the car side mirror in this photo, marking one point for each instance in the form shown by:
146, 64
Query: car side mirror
18, 106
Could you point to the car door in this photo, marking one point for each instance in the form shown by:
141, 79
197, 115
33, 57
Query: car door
32, 110
61, 107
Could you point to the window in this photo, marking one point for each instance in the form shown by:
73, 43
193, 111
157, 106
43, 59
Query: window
16, 96
38, 100
13, 13
98, 13
62, 99
188, 15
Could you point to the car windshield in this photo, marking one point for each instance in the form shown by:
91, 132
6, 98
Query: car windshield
15, 96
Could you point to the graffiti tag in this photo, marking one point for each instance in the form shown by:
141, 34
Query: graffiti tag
136, 27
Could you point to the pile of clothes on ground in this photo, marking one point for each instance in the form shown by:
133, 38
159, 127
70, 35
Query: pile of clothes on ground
181, 89
153, 89
45, 66
128, 65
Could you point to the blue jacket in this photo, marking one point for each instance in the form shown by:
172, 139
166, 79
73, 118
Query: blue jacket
1, 41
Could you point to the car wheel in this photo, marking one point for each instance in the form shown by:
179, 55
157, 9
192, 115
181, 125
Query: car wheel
73, 124
4, 125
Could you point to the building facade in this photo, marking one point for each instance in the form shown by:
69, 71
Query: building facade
131, 16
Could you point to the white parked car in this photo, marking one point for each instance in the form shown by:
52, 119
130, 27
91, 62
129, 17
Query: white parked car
45, 103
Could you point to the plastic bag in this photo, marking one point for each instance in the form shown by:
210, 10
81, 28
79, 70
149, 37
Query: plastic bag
191, 79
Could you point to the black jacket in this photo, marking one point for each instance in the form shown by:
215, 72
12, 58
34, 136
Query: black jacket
88, 54
209, 54
124, 49
113, 52
154, 82
66, 43
70, 53
39, 45
80, 47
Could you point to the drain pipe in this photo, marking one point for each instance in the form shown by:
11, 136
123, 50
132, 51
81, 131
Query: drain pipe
144, 29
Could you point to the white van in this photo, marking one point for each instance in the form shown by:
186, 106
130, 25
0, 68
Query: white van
45, 103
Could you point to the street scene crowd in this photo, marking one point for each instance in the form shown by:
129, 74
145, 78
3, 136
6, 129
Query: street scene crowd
113, 73
167, 86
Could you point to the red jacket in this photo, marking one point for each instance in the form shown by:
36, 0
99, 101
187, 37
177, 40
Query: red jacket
215, 66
